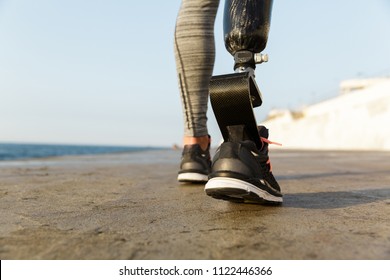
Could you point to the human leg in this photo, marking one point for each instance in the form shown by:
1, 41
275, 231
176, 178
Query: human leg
195, 55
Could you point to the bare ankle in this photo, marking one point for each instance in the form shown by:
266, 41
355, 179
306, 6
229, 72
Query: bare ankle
203, 141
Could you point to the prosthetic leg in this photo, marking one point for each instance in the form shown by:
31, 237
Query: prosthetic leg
241, 171
233, 96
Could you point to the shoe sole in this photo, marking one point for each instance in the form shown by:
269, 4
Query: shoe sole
192, 178
235, 190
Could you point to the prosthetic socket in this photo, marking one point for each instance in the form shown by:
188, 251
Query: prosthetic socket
246, 27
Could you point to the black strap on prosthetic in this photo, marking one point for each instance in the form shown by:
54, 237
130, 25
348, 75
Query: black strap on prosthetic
233, 97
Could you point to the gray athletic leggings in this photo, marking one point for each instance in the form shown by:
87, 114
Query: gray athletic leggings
195, 55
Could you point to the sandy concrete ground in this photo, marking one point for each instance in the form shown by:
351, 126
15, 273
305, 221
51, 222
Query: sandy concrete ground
129, 206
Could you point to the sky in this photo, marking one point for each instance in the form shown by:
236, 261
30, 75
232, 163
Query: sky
103, 72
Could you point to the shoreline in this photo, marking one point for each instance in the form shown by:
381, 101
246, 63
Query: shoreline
113, 156
18, 151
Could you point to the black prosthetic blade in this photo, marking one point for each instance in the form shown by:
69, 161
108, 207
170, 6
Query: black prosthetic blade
233, 97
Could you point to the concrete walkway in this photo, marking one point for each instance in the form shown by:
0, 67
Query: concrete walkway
129, 206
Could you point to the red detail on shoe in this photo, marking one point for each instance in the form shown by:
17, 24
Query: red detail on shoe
270, 142
269, 164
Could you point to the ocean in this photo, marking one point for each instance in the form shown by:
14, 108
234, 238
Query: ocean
31, 151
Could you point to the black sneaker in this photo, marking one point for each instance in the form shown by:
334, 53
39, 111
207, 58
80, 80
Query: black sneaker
242, 173
195, 164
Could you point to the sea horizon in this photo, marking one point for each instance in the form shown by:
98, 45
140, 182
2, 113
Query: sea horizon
16, 150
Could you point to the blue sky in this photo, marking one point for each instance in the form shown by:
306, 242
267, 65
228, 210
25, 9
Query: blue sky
103, 72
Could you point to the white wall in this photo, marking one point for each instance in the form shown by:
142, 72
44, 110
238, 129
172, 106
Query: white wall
358, 120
